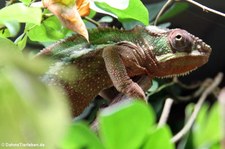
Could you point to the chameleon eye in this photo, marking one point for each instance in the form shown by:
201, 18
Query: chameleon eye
178, 37
180, 41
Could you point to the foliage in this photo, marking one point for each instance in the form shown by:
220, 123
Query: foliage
118, 129
33, 112
206, 132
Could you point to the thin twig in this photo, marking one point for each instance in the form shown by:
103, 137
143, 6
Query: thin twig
92, 21
198, 106
161, 88
165, 112
192, 86
197, 93
162, 10
222, 105
206, 9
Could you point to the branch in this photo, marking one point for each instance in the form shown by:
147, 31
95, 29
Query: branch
162, 10
185, 86
165, 112
92, 21
197, 93
197, 108
206, 9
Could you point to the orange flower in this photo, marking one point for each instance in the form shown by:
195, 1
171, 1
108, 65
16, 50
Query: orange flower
83, 7
70, 14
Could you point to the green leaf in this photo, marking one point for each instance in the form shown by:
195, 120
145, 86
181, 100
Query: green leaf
26, 2
154, 86
4, 33
30, 111
125, 125
80, 136
21, 41
106, 19
21, 13
7, 48
50, 30
119, 4
13, 27
129, 13
207, 128
159, 139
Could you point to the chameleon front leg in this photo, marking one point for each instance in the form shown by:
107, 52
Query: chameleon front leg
118, 74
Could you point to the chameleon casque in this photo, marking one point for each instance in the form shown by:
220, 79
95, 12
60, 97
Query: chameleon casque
112, 56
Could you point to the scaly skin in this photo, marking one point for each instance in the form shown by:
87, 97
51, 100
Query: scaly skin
114, 56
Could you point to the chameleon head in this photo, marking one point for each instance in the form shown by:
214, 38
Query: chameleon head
178, 52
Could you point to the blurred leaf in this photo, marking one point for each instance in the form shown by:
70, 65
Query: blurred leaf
8, 48
26, 2
80, 136
129, 13
13, 27
4, 33
107, 19
216, 146
125, 125
30, 111
21, 41
173, 11
21, 13
207, 128
50, 30
159, 139
154, 86
119, 4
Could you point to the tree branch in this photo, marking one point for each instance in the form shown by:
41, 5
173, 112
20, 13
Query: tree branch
206, 9
166, 111
197, 108
162, 10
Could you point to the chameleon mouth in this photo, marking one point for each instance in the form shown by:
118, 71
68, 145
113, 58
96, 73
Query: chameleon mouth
169, 56
182, 63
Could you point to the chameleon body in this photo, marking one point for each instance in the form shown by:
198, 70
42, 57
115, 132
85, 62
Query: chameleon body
113, 56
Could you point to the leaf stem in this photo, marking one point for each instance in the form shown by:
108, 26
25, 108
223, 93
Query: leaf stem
92, 21
162, 10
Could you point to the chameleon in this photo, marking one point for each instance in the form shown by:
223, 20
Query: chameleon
113, 56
